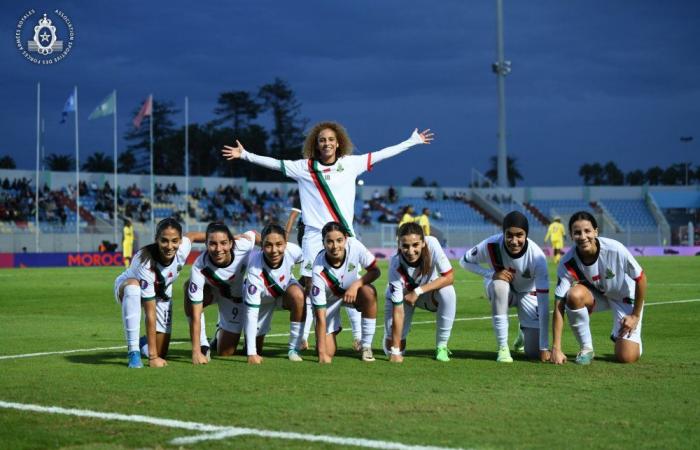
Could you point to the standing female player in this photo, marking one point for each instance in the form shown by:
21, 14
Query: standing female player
326, 178
420, 275
595, 275
518, 277
270, 283
217, 277
148, 282
336, 282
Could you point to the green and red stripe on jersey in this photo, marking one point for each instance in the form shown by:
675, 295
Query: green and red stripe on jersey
407, 279
327, 195
577, 274
217, 282
333, 283
273, 288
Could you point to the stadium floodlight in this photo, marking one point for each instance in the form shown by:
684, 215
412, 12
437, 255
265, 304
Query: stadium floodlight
501, 68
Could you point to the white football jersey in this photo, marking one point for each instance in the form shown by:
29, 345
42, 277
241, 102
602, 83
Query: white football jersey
331, 282
264, 281
227, 280
403, 277
529, 269
613, 274
155, 279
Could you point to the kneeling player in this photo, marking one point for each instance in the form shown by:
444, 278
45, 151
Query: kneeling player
517, 277
420, 275
269, 283
217, 277
336, 282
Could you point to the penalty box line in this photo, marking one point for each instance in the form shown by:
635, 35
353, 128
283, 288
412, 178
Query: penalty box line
459, 319
215, 432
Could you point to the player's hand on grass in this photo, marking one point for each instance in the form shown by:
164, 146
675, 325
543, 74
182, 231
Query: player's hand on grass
255, 359
627, 325
157, 362
557, 356
198, 358
232, 152
545, 355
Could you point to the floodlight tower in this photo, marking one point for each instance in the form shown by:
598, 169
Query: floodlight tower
501, 68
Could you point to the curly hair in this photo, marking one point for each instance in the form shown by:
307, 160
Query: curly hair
311, 143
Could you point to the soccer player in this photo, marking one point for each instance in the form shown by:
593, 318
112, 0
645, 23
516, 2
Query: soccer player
595, 275
148, 282
326, 178
420, 275
516, 276
270, 283
424, 221
406, 216
127, 242
217, 277
336, 282
556, 233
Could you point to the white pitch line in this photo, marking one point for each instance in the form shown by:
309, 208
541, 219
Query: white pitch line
425, 322
216, 432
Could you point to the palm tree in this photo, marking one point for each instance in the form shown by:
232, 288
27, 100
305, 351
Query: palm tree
511, 169
6, 162
60, 163
99, 162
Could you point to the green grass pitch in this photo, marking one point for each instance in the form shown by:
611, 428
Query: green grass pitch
470, 402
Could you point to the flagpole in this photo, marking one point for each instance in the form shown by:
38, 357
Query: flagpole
153, 223
115, 186
187, 165
77, 176
36, 186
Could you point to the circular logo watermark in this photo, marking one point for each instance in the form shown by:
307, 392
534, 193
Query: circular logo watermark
44, 39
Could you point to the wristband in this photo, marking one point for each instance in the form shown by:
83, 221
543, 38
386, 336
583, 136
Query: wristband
396, 351
418, 291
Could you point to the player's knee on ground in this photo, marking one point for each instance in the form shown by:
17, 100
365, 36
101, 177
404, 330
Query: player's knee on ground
626, 351
578, 297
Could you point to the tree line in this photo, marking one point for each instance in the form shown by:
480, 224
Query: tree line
609, 174
236, 116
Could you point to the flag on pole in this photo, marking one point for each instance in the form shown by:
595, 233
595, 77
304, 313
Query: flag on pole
146, 110
105, 108
68, 107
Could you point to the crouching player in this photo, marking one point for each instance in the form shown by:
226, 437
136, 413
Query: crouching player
595, 275
270, 283
420, 275
516, 277
217, 277
336, 282
148, 282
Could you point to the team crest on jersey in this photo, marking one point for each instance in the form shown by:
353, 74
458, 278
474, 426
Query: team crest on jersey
351, 267
527, 273
144, 284
340, 168
178, 268
315, 291
308, 266
609, 274
252, 289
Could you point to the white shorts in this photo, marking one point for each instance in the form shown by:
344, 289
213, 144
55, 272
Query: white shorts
425, 301
268, 305
311, 245
526, 303
619, 309
164, 308
231, 313
334, 322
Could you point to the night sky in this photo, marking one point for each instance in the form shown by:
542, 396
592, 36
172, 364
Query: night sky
592, 80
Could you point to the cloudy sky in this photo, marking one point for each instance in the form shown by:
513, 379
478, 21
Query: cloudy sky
592, 80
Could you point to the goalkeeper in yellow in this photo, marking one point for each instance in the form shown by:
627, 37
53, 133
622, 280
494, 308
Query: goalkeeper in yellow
127, 242
556, 234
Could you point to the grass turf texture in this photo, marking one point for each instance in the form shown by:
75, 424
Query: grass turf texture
470, 402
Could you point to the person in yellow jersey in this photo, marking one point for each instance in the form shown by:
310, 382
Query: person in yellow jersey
406, 215
127, 242
424, 221
556, 234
